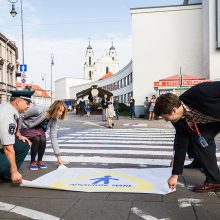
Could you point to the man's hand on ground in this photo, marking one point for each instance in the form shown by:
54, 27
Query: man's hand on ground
16, 177
172, 182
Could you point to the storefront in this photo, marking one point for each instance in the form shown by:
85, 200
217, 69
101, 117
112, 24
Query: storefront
176, 84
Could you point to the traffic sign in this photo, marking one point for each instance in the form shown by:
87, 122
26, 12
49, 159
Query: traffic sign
23, 80
23, 75
23, 67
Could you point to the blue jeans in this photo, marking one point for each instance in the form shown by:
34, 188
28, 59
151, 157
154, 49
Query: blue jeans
117, 113
132, 112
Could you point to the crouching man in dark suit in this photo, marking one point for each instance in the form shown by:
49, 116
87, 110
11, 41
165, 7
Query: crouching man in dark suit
195, 116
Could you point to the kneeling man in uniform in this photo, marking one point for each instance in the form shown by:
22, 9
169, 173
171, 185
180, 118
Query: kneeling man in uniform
13, 146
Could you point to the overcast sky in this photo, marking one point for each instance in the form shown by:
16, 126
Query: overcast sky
63, 27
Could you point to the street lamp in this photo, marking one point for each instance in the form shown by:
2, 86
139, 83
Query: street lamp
43, 78
13, 14
51, 66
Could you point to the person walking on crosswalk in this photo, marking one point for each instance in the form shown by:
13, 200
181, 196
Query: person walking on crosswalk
110, 114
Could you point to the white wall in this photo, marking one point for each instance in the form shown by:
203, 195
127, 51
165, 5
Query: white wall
210, 53
62, 87
163, 40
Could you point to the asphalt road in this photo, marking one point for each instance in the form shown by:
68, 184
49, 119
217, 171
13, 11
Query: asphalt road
86, 140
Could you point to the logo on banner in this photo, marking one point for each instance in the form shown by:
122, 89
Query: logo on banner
109, 180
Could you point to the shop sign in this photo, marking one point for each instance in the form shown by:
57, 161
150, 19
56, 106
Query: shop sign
177, 82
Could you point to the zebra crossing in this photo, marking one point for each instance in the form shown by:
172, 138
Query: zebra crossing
136, 147
132, 147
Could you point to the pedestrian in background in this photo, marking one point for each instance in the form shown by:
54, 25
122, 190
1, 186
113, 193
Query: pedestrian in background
88, 110
34, 124
104, 104
131, 106
151, 107
13, 146
82, 105
110, 114
146, 108
116, 107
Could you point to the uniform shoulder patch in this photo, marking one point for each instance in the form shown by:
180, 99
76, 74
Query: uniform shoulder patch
11, 129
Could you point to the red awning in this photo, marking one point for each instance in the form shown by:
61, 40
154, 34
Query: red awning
174, 81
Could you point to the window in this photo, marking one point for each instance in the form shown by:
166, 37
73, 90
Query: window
128, 80
125, 98
107, 69
122, 83
90, 74
122, 99
90, 61
125, 82
119, 84
131, 78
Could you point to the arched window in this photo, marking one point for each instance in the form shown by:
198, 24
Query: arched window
107, 69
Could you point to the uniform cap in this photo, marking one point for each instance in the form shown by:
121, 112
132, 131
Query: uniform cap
24, 94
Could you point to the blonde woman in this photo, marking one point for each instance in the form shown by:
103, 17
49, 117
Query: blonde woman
110, 113
35, 123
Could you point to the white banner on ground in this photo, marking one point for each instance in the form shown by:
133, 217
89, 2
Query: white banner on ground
129, 180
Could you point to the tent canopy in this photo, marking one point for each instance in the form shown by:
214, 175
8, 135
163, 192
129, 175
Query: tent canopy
101, 92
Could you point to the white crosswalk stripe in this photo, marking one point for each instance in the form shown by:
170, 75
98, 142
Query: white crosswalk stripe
136, 147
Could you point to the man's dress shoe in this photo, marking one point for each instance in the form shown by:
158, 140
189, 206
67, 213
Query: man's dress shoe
207, 187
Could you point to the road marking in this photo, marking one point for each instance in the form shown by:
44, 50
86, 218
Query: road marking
145, 215
119, 141
125, 138
109, 160
26, 212
103, 145
124, 152
121, 135
88, 122
186, 202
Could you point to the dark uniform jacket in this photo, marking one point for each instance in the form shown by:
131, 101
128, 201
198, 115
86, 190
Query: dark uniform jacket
204, 97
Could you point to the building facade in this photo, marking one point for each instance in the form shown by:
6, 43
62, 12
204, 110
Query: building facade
8, 67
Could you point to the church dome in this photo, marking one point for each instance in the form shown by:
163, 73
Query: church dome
89, 47
112, 48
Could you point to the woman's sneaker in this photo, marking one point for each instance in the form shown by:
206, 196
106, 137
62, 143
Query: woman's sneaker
33, 166
42, 165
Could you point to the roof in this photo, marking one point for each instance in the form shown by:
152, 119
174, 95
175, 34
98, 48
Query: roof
86, 92
176, 80
39, 92
185, 77
107, 75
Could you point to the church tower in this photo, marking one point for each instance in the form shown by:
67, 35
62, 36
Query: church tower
89, 65
112, 52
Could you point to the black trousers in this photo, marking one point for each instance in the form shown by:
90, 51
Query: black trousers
207, 155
